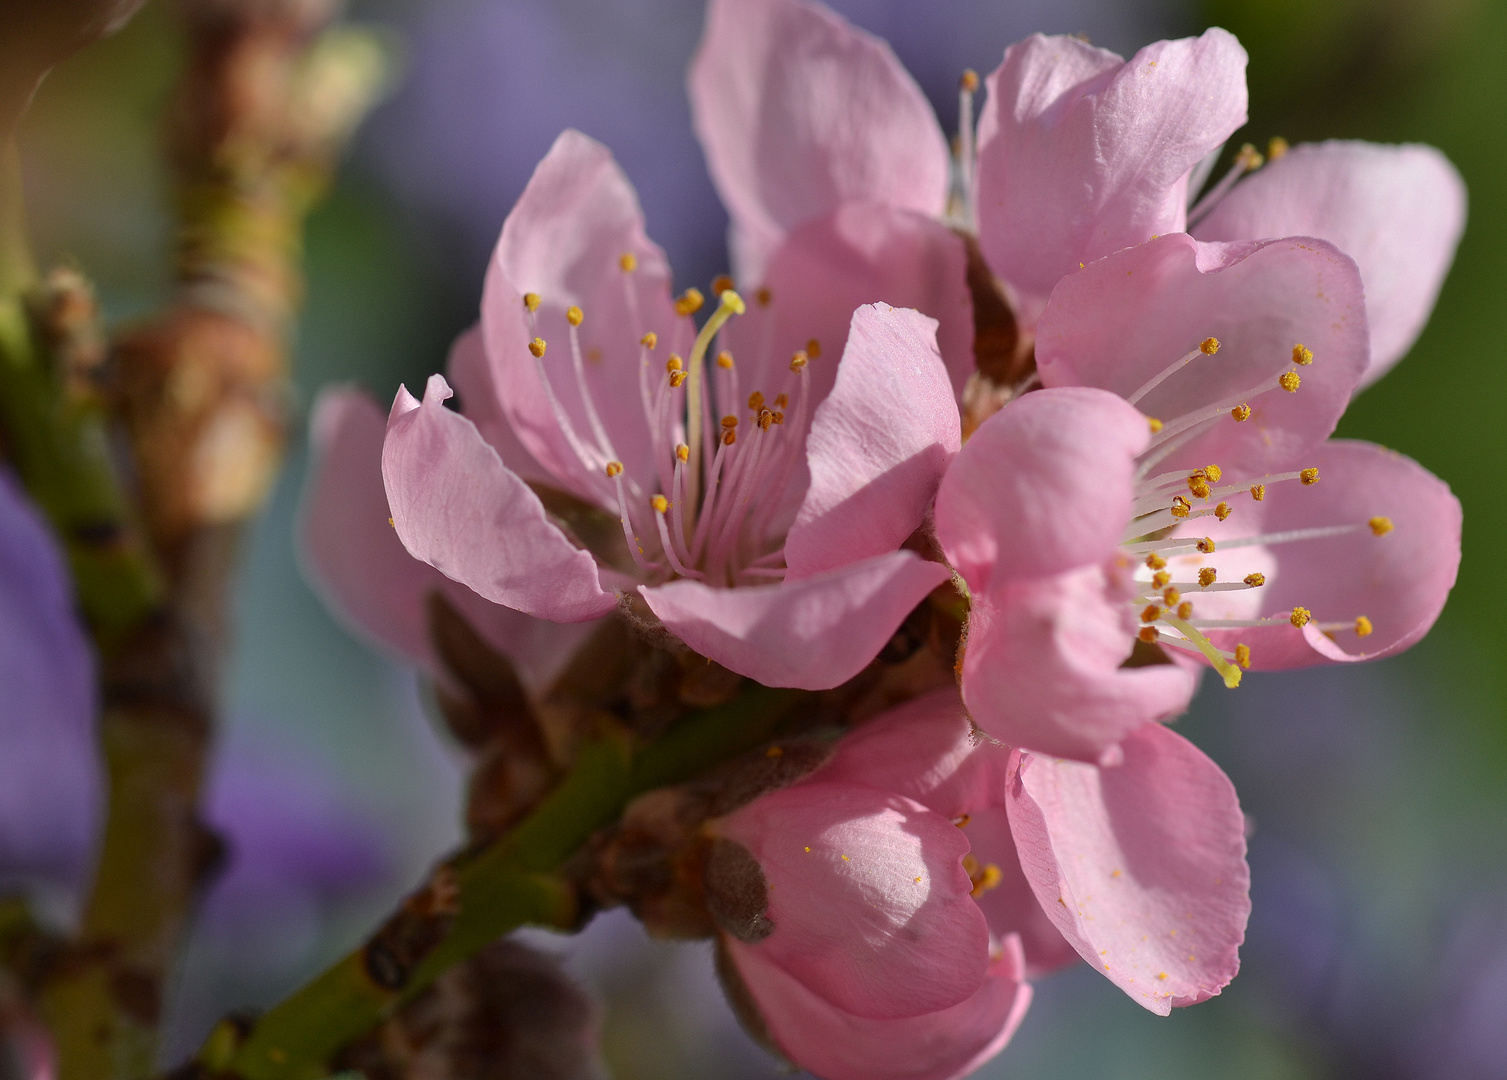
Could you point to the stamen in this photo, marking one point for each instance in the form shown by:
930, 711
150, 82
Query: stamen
1289, 381
1255, 580
1276, 148
1207, 576
1243, 656
1258, 492
1302, 355
537, 347
1241, 413
1155, 562
574, 316
614, 471
967, 86
682, 452
1148, 634
649, 340
1154, 424
1160, 579
1223, 511
562, 418
1309, 477
531, 301
763, 297
1363, 626
660, 504
721, 283
1301, 617
1380, 526
813, 348
628, 262
1248, 160
1181, 507
1206, 546
1185, 610
689, 302
1208, 347
725, 360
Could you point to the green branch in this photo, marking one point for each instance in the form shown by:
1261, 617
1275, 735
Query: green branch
512, 882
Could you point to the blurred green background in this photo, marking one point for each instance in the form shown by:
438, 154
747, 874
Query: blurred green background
1378, 795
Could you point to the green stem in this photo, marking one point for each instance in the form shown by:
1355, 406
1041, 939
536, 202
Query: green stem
512, 882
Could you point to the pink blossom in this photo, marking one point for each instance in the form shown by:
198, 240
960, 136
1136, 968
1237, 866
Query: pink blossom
1078, 153
1173, 483
590, 364
898, 923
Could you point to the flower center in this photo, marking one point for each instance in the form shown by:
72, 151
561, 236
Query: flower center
1179, 595
720, 463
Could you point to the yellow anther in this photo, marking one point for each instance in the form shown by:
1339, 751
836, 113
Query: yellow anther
755, 401
676, 378
1181, 507
1213, 472
1241, 413
731, 301
1243, 656
725, 360
1289, 381
774, 752
1223, 511
1380, 526
1363, 626
1151, 614
1171, 596
1206, 546
1155, 561
682, 452
574, 315
763, 296
781, 401
1159, 579
722, 283
765, 418
798, 361
689, 302
531, 301
614, 469
1255, 580
1185, 610
1156, 425
1209, 346
1309, 477
649, 340
674, 363
1258, 492
660, 504
627, 262
970, 80
393, 523
962, 820
1207, 576
729, 437
729, 421
988, 878
1301, 617
1302, 355
1276, 148
1147, 634
1198, 486
1250, 157
537, 347
813, 348
779, 417
970, 865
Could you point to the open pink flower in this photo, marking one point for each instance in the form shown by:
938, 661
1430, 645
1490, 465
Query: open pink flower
758, 508
1173, 485
826, 152
897, 924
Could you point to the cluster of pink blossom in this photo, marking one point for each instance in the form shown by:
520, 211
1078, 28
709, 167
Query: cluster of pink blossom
782, 483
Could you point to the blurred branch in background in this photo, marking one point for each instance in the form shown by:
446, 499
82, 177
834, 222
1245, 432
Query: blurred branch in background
268, 99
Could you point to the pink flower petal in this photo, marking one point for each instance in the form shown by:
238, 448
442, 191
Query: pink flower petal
861, 253
1398, 211
868, 897
365, 575
878, 445
563, 240
1043, 486
1399, 580
1141, 866
814, 633
1042, 667
1130, 316
943, 1045
469, 373
798, 112
1010, 906
1081, 154
457, 507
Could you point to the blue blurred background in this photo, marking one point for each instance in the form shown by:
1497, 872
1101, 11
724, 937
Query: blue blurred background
1378, 795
